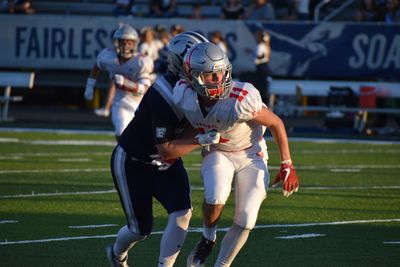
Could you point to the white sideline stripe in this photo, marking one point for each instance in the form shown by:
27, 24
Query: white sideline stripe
333, 168
291, 139
199, 188
91, 226
8, 221
54, 170
60, 194
392, 242
59, 131
194, 230
299, 236
59, 142
75, 160
38, 154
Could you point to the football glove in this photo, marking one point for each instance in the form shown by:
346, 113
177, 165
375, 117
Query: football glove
161, 163
119, 80
287, 174
89, 88
208, 138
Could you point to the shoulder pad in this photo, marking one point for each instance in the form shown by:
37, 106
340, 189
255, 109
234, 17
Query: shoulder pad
248, 101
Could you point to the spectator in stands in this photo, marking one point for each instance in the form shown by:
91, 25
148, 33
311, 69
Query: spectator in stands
261, 10
196, 12
232, 9
161, 63
262, 55
176, 29
371, 10
218, 39
149, 45
123, 7
17, 7
393, 11
302, 9
162, 8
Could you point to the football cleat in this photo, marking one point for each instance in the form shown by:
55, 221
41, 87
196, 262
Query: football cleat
199, 254
102, 112
112, 260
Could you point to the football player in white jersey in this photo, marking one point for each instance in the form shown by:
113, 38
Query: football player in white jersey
128, 70
234, 115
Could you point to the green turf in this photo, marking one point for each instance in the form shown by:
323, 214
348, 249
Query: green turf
340, 182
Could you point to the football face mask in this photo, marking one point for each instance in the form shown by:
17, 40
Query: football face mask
214, 83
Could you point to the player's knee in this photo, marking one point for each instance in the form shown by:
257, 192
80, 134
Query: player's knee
245, 221
139, 235
182, 218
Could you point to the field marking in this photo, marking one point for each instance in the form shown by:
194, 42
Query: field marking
111, 133
74, 160
8, 221
196, 167
92, 226
59, 142
60, 194
199, 188
54, 170
195, 230
299, 236
392, 242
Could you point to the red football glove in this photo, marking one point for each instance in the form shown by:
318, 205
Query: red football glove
287, 174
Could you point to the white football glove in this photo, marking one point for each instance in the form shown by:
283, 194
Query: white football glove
161, 163
119, 80
89, 88
208, 138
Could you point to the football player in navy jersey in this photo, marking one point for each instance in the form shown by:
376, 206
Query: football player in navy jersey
140, 173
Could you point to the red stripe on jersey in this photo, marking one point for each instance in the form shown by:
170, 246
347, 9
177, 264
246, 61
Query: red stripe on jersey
238, 97
223, 140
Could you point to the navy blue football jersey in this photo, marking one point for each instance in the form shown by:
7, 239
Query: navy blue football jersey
156, 121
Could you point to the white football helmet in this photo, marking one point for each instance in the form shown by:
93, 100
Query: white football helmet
208, 70
177, 48
125, 32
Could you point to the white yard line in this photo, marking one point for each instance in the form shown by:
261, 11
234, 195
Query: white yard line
199, 188
5, 243
299, 236
60, 194
91, 226
54, 170
8, 221
391, 242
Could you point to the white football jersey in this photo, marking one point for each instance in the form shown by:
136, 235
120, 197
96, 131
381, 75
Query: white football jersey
230, 116
137, 69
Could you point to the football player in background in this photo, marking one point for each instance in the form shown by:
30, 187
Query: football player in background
234, 115
140, 173
129, 71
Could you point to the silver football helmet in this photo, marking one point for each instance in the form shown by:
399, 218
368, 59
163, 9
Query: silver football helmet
125, 32
177, 48
208, 70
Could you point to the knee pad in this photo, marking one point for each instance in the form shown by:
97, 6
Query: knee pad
138, 236
181, 218
245, 221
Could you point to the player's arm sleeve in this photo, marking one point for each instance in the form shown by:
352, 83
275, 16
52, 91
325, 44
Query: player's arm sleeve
144, 75
250, 105
101, 58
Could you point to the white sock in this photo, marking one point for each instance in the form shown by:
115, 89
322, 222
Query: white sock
210, 233
233, 241
124, 242
173, 237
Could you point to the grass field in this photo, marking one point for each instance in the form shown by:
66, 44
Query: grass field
58, 206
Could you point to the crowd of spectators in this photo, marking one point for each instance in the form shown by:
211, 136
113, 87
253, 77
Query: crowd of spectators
302, 10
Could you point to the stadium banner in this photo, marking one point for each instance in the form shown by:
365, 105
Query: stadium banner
301, 50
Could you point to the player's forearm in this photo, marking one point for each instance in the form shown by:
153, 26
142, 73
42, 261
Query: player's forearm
177, 148
280, 137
